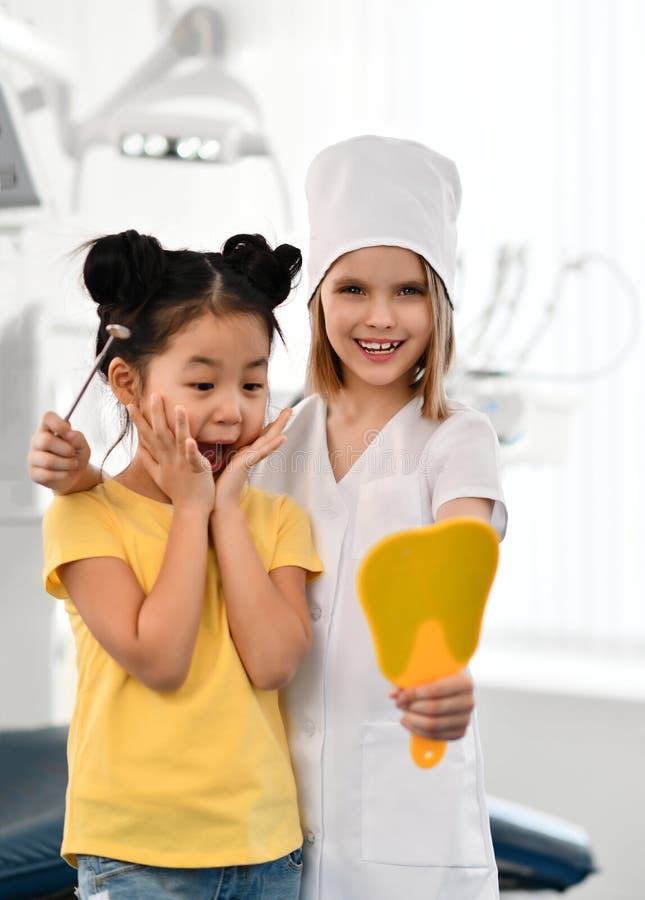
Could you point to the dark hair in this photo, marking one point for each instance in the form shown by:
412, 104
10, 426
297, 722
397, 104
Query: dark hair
156, 292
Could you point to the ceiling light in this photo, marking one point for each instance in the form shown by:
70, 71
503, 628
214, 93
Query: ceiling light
156, 145
132, 144
188, 147
209, 150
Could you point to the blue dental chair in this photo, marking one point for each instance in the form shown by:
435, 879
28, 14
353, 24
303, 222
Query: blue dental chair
534, 851
33, 777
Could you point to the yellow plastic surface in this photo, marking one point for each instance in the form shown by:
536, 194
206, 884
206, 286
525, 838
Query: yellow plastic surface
423, 592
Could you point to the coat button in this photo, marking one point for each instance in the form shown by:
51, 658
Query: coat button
315, 612
309, 727
310, 838
329, 512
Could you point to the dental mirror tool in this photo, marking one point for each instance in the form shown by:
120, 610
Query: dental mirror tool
116, 332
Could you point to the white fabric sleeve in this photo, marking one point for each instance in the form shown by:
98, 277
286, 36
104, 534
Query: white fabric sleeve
462, 460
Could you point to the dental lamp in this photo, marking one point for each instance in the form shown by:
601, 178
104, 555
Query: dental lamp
181, 103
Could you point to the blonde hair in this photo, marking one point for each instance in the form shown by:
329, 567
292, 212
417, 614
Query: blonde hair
325, 374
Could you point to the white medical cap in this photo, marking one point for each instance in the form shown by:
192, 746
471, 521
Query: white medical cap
377, 191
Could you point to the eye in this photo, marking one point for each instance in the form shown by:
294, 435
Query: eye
409, 291
350, 289
203, 386
253, 386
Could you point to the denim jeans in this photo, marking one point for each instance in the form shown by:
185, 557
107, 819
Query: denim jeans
110, 879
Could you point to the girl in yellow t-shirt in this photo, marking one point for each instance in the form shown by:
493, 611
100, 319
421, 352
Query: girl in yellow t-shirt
185, 587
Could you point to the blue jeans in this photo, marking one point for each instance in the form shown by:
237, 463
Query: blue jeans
111, 879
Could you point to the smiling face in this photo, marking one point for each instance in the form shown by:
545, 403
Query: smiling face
216, 368
377, 313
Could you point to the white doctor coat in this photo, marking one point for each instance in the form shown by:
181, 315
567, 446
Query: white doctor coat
375, 826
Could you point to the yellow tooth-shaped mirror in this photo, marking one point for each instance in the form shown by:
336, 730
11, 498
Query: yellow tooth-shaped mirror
423, 592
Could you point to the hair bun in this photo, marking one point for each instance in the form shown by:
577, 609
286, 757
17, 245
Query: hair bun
271, 271
122, 271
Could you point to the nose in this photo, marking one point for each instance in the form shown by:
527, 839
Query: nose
380, 313
228, 410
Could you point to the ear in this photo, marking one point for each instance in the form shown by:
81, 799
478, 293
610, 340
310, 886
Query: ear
124, 381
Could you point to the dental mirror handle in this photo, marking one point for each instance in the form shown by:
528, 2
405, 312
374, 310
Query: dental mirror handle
116, 332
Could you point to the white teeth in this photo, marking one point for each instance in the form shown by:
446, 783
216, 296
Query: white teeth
379, 347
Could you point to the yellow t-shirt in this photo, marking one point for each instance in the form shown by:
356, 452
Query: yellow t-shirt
196, 777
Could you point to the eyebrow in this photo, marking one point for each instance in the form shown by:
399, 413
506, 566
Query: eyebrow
341, 280
198, 360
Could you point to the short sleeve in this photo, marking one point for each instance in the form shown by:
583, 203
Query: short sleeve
462, 460
294, 545
76, 526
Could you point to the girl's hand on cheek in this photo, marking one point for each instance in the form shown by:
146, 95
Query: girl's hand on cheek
440, 710
173, 459
230, 483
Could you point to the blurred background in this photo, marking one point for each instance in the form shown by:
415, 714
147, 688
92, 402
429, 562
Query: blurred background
196, 122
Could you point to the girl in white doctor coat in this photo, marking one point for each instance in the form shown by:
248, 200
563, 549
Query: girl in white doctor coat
375, 448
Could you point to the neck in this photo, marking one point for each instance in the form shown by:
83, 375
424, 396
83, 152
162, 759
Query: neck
138, 479
369, 404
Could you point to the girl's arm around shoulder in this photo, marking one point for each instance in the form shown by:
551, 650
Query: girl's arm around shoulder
59, 457
151, 636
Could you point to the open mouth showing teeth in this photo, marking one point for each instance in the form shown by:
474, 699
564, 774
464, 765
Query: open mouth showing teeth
377, 347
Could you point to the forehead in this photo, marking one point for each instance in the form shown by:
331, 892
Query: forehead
379, 263
234, 336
